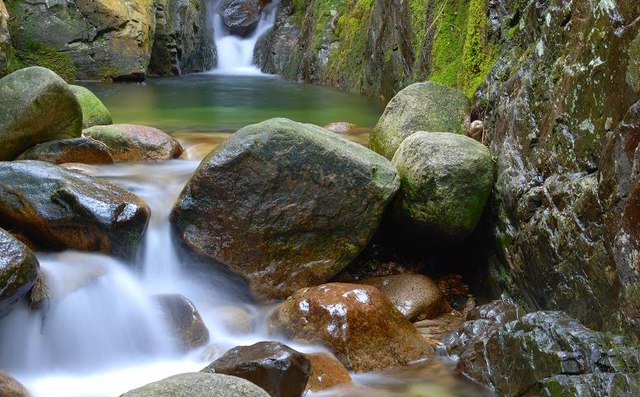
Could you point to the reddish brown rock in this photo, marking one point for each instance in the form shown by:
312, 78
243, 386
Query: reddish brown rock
362, 327
9, 387
75, 150
341, 127
184, 321
326, 372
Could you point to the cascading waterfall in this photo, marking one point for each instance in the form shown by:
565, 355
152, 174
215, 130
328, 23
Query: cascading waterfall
235, 53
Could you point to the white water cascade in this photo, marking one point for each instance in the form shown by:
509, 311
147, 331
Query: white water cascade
235, 53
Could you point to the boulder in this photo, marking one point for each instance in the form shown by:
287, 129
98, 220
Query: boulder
276, 368
445, 182
74, 150
93, 110
199, 384
416, 296
18, 272
284, 204
183, 321
128, 142
9, 387
241, 17
106, 39
37, 106
183, 40
357, 322
341, 127
419, 107
326, 372
274, 51
5, 39
59, 209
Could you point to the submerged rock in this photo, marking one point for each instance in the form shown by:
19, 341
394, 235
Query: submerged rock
276, 368
419, 107
5, 39
58, 209
9, 387
93, 110
445, 181
74, 150
326, 372
199, 384
284, 204
183, 320
18, 272
357, 322
128, 142
37, 106
241, 17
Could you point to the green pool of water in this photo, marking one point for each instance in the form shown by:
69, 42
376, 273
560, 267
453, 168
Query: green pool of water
210, 103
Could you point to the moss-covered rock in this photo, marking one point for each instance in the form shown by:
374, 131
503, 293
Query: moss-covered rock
284, 204
419, 107
93, 110
18, 271
37, 106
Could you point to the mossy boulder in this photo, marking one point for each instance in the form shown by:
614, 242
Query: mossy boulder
199, 384
37, 106
18, 271
58, 209
74, 150
5, 40
93, 110
284, 204
445, 181
419, 107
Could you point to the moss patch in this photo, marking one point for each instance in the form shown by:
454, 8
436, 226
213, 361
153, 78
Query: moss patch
35, 53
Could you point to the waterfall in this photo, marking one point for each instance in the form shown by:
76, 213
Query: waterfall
235, 53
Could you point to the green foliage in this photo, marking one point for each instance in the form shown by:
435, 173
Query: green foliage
477, 56
446, 54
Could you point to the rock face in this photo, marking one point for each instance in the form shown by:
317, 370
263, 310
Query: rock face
183, 40
59, 209
272, 53
284, 204
37, 106
75, 150
107, 39
240, 16
543, 354
9, 387
18, 272
128, 142
199, 384
445, 181
5, 39
365, 331
276, 368
419, 107
93, 110
184, 321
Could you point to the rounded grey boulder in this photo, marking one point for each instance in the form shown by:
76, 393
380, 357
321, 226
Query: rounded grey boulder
199, 384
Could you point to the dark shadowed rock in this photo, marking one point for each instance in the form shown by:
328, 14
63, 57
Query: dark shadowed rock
183, 321
18, 273
93, 110
60, 209
240, 16
276, 368
284, 204
5, 39
326, 372
9, 387
74, 150
37, 106
199, 384
357, 322
274, 49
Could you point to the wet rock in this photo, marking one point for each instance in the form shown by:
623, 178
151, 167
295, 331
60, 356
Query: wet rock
419, 107
199, 384
39, 296
235, 319
341, 127
59, 209
274, 49
37, 106
93, 110
9, 387
357, 322
446, 180
276, 368
183, 40
240, 16
416, 296
74, 150
5, 39
128, 142
183, 320
284, 204
326, 372
542, 352
18, 272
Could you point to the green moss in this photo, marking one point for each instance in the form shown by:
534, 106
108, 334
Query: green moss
446, 54
108, 73
418, 15
34, 53
477, 56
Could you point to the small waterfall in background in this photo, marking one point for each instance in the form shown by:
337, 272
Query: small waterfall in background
235, 53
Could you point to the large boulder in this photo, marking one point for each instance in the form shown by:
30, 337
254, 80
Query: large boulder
93, 110
419, 107
183, 40
58, 209
199, 384
106, 39
37, 106
129, 142
284, 204
74, 150
5, 39
183, 320
18, 271
445, 181
10, 387
275, 367
241, 17
357, 322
